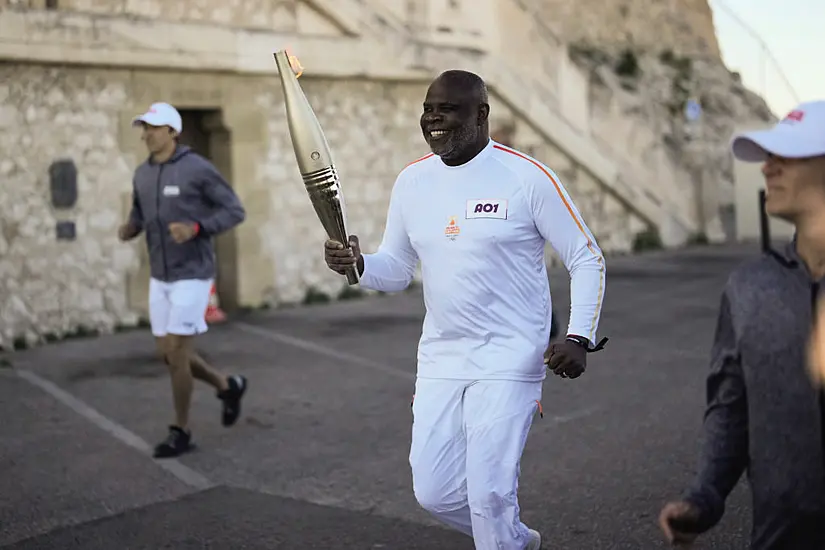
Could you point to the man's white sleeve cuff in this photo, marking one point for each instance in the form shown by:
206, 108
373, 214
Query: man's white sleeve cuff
367, 279
573, 331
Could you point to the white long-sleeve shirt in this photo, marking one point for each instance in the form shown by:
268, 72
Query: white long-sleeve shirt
479, 230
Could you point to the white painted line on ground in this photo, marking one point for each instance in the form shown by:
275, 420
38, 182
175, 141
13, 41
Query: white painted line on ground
171, 465
575, 415
318, 349
310, 346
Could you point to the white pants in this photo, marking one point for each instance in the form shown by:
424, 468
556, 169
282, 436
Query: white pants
178, 307
467, 440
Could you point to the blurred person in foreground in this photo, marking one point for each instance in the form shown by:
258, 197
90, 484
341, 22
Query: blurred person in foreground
477, 215
765, 413
181, 202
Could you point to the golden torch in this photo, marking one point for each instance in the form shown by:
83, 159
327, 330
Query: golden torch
313, 155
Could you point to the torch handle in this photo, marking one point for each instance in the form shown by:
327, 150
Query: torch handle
324, 190
352, 276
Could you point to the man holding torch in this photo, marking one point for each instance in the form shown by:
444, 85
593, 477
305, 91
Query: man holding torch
477, 214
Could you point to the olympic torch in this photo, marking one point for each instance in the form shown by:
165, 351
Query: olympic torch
314, 158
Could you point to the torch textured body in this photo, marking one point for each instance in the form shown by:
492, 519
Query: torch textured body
314, 158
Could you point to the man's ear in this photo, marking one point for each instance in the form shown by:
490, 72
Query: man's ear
483, 113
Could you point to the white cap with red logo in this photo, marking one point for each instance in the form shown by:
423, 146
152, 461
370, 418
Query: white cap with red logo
801, 134
161, 114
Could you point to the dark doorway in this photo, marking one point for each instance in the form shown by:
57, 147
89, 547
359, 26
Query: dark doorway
205, 133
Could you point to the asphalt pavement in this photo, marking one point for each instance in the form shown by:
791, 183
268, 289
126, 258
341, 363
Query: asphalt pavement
319, 458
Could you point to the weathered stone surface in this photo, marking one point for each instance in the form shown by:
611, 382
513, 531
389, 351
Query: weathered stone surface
642, 117
274, 15
614, 228
373, 132
684, 26
639, 115
50, 287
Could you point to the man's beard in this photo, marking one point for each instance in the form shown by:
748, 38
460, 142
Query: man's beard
457, 141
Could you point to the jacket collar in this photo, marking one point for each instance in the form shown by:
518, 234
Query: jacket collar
787, 255
789, 258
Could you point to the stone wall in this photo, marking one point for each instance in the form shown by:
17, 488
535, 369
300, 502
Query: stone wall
272, 15
613, 225
50, 287
683, 26
637, 102
373, 132
645, 59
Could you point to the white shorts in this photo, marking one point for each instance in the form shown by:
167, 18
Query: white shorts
178, 307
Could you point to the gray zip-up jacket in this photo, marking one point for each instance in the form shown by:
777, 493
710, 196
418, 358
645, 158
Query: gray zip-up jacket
764, 415
185, 188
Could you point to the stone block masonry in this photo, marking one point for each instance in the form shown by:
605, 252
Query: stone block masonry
684, 27
50, 287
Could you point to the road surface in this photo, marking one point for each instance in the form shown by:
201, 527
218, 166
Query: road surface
319, 459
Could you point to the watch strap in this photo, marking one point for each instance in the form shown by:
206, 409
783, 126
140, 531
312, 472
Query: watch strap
585, 343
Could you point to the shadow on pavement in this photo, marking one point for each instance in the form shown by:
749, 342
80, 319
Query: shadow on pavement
259, 521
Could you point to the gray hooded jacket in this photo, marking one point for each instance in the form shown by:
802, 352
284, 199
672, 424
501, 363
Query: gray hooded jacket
764, 415
186, 188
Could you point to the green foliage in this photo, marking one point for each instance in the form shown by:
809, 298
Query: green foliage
315, 296
351, 293
649, 239
667, 57
81, 332
699, 238
681, 84
588, 53
628, 65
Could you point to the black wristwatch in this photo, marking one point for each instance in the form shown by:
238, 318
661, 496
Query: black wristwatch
580, 340
585, 343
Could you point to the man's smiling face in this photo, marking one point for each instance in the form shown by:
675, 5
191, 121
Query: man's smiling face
452, 119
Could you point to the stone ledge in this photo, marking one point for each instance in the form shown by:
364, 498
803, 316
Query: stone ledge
96, 40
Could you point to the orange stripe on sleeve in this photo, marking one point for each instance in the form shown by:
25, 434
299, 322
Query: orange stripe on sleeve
558, 190
579, 224
425, 157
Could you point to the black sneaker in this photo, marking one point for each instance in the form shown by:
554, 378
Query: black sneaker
231, 398
175, 444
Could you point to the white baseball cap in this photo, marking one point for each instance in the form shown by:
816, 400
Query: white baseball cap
801, 134
161, 114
